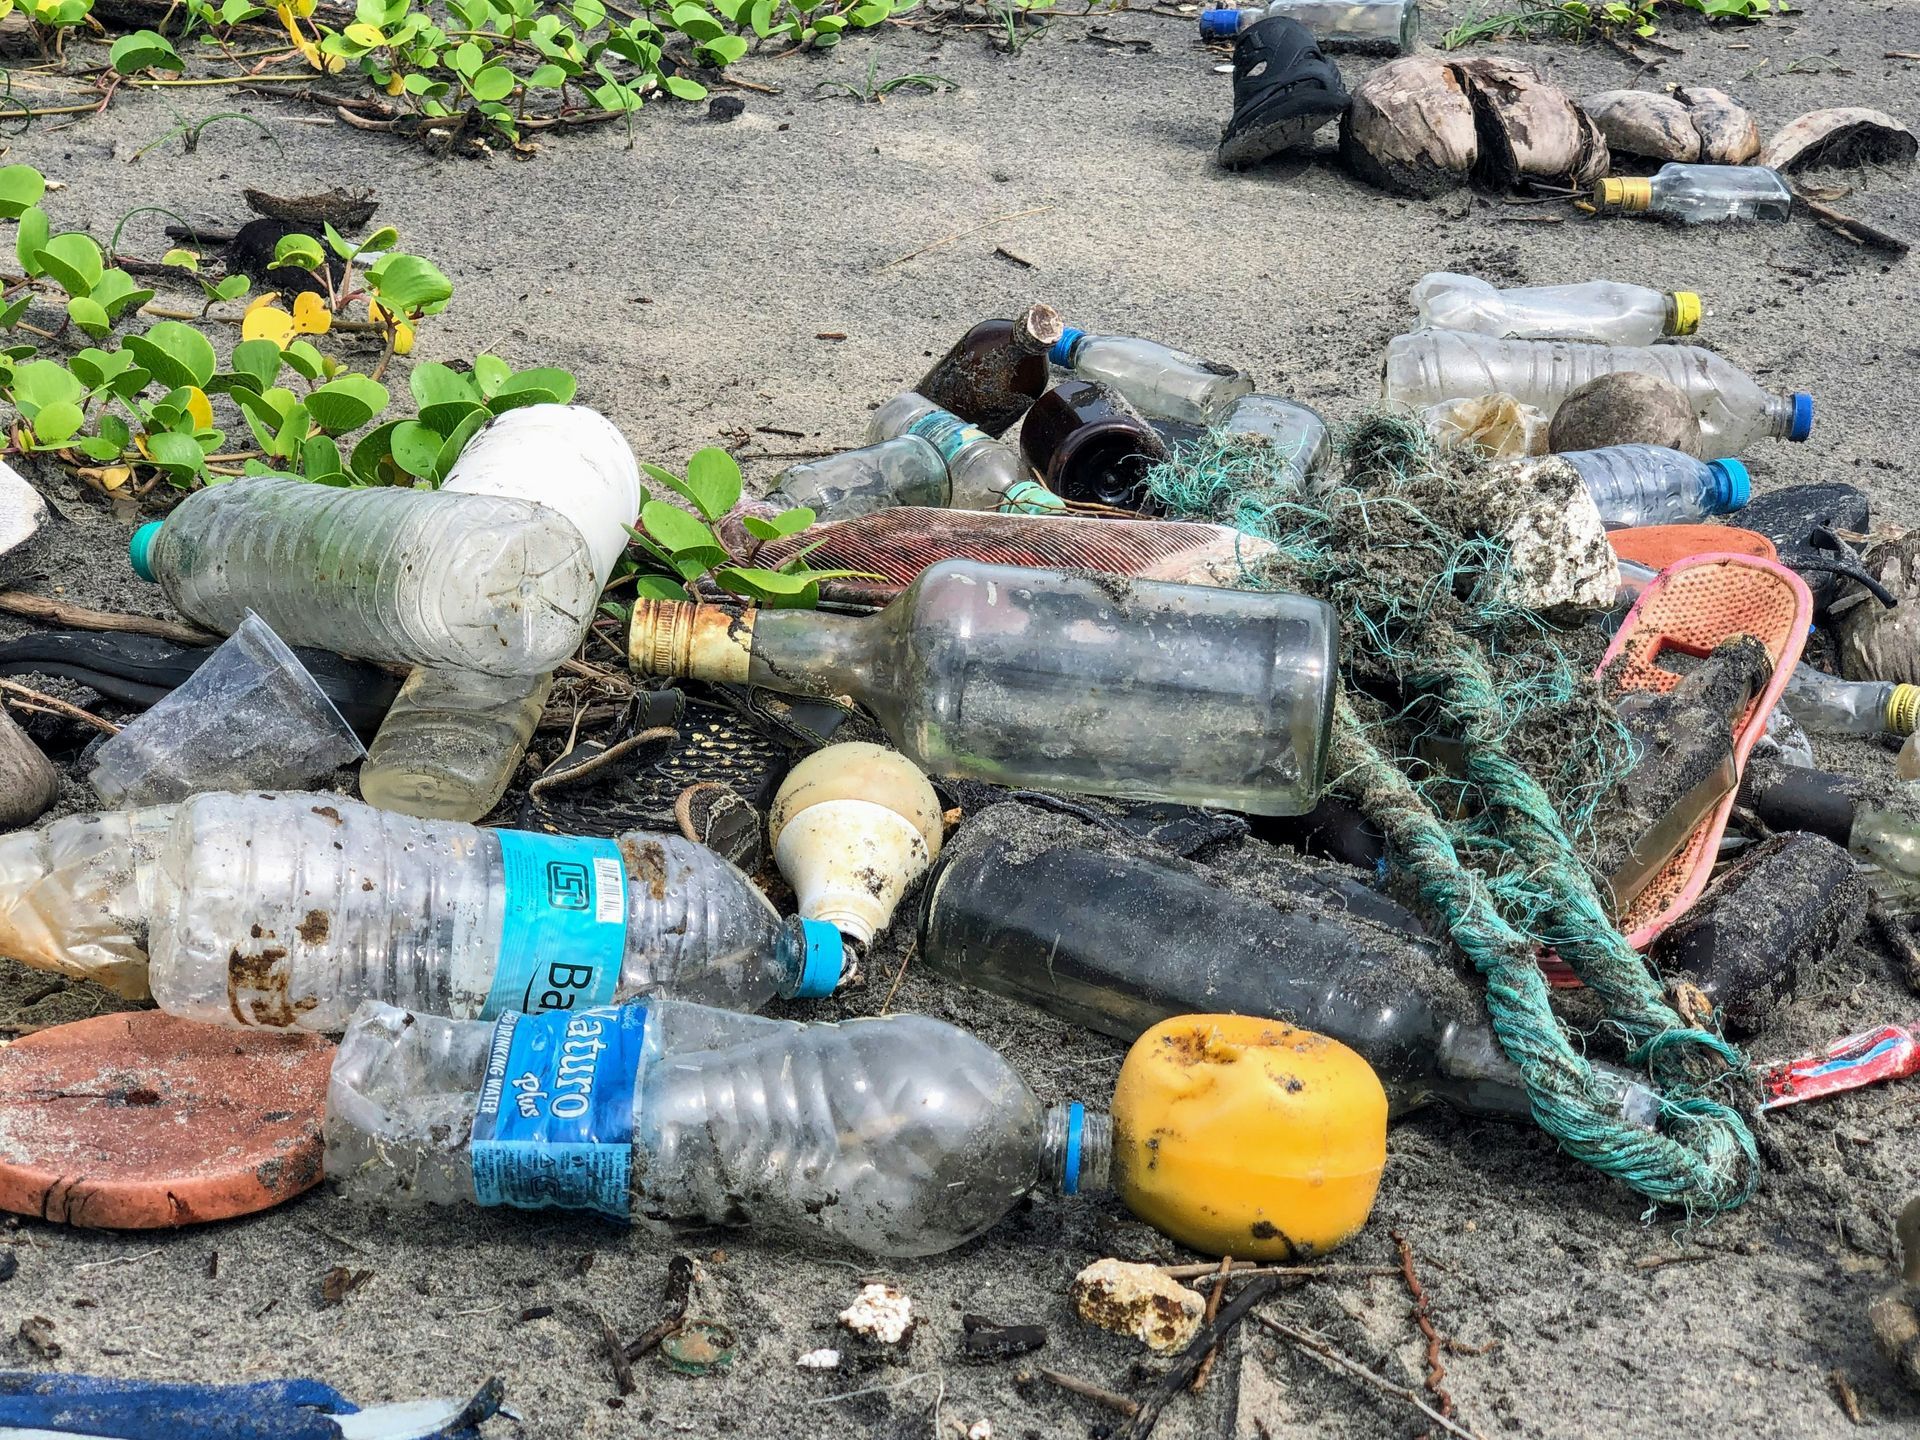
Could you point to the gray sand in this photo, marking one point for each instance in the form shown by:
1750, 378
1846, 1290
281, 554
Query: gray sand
684, 281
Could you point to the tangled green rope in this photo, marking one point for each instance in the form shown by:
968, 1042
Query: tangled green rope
1433, 650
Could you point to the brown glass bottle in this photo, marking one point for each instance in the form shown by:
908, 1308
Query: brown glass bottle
996, 370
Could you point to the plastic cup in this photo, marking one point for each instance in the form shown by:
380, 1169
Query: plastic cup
250, 718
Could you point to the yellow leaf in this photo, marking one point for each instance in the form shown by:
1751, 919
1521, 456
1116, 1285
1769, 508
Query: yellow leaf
396, 84
363, 34
403, 339
260, 300
199, 407
310, 314
268, 322
108, 477
140, 444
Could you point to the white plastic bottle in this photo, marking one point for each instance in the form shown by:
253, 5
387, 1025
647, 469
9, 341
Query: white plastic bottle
1652, 485
1428, 367
290, 908
1702, 194
1160, 382
983, 473
897, 1135
448, 746
1600, 311
1824, 704
467, 581
1370, 23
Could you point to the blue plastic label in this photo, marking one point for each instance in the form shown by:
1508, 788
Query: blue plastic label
946, 432
563, 923
554, 1126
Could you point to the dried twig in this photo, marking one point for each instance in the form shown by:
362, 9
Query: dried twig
1848, 228
1213, 1308
1308, 1341
79, 617
1423, 1317
1140, 1425
986, 224
679, 1292
1843, 1392
1090, 1391
616, 1352
1655, 1262
57, 707
1253, 1267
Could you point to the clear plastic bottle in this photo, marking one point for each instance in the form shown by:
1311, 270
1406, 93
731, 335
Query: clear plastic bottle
1052, 678
1824, 704
466, 581
1652, 485
905, 470
1600, 311
897, 1135
1428, 367
450, 743
76, 893
1296, 432
1160, 382
292, 908
1702, 194
1353, 23
983, 473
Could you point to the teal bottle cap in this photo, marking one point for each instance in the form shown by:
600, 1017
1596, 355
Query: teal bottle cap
823, 954
1736, 485
140, 549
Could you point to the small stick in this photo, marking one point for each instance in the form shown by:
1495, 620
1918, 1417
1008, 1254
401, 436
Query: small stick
1858, 231
1655, 1262
1018, 259
622, 1367
986, 224
60, 707
1901, 55
1253, 1267
1843, 1392
1213, 1309
1423, 1317
58, 612
1326, 1352
1139, 1426
678, 1293
738, 84
1091, 1391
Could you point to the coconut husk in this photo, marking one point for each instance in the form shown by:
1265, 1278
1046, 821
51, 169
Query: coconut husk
1528, 128
1874, 642
1410, 128
1727, 133
1640, 122
1625, 408
1851, 135
28, 781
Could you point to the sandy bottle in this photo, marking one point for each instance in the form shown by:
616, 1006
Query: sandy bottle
1160, 382
983, 473
1050, 678
1600, 311
1824, 704
995, 371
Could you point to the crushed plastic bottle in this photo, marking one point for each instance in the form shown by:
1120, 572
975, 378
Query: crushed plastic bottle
1652, 485
466, 581
1701, 194
452, 739
1428, 367
1825, 704
1049, 678
983, 473
289, 909
1370, 24
897, 1135
1160, 382
1041, 909
1599, 311
905, 470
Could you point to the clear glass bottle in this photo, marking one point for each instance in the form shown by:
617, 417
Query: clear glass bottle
466, 581
1825, 704
1053, 679
1297, 433
1429, 367
1371, 24
449, 745
996, 370
1599, 311
1029, 908
1701, 194
1652, 485
897, 1135
290, 909
905, 470
984, 473
1160, 382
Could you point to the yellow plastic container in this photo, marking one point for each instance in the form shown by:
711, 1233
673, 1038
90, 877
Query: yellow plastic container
1246, 1137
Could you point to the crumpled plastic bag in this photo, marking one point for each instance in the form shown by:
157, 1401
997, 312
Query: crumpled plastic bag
1497, 426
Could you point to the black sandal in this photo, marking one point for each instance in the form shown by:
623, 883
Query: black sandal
1284, 90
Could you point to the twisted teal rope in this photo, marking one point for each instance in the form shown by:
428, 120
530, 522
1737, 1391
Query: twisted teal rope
1504, 875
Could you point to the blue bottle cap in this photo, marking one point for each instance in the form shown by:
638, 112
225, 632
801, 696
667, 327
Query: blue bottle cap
1062, 352
1076, 1126
1802, 416
140, 549
1219, 24
823, 953
1735, 486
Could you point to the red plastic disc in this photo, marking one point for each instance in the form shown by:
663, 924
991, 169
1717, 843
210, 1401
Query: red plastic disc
141, 1121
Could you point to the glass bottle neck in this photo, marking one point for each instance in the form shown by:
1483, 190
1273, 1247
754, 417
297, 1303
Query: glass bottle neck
803, 652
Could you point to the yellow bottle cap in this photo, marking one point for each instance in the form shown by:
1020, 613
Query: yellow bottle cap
1903, 709
1686, 312
1630, 193
1246, 1137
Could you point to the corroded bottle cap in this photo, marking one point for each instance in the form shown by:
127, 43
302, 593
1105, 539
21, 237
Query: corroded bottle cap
1903, 709
697, 642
